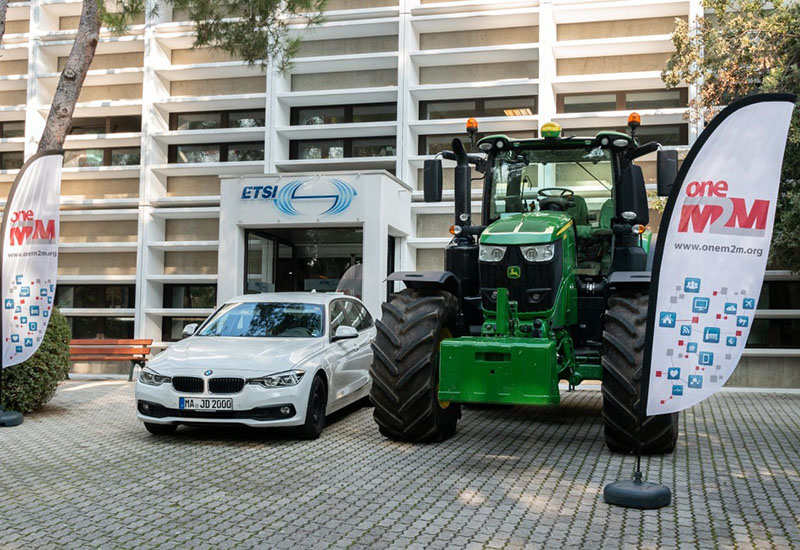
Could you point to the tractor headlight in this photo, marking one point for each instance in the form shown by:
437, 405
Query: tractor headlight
279, 380
152, 378
538, 253
489, 253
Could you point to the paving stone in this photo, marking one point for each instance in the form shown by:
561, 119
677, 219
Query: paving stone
83, 473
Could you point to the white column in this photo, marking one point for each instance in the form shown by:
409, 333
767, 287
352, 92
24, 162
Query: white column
547, 62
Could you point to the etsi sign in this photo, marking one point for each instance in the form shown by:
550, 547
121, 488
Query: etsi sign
25, 228
707, 205
314, 197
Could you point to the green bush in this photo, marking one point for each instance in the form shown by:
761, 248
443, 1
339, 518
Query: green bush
30, 385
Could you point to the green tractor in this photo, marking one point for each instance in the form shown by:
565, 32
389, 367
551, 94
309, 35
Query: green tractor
552, 285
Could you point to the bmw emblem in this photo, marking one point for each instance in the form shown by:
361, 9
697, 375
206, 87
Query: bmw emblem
209, 372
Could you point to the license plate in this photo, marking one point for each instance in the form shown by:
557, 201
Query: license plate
204, 404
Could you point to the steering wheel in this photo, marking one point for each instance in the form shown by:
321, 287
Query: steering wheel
556, 198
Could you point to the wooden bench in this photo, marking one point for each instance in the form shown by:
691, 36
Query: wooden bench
135, 351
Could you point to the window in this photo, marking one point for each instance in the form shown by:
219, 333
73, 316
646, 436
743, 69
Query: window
13, 129
343, 148
101, 327
780, 295
621, 101
81, 158
350, 314
216, 152
190, 296
484, 107
343, 114
195, 121
128, 156
217, 119
246, 119
95, 296
190, 154
121, 156
774, 333
172, 327
589, 103
105, 125
241, 152
662, 99
363, 318
11, 160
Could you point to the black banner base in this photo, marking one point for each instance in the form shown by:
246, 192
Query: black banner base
9, 419
635, 493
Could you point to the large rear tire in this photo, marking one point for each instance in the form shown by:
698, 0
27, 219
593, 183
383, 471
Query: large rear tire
623, 354
405, 368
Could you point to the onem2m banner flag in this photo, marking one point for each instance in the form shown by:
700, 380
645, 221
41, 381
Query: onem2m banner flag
712, 251
30, 255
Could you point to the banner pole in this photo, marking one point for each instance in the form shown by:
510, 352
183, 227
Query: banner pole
8, 419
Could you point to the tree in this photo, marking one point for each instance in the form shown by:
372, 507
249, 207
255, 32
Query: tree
738, 49
257, 31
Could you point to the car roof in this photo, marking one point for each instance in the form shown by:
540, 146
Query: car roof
320, 298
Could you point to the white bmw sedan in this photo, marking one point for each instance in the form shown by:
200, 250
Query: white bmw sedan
283, 359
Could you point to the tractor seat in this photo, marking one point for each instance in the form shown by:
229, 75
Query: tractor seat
606, 214
580, 216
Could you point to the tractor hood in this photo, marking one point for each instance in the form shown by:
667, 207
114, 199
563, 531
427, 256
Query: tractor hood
528, 228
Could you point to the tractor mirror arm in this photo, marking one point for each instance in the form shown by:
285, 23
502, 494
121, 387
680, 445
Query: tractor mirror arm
477, 161
642, 150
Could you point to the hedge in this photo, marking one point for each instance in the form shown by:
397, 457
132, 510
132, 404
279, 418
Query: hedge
31, 384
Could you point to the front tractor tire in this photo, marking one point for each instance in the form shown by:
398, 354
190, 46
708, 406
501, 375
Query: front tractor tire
623, 354
405, 368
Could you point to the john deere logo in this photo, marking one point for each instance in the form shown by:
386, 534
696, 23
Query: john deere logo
513, 272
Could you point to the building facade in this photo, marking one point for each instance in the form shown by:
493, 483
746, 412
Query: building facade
381, 85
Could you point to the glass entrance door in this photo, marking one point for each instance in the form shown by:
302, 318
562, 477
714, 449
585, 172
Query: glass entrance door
299, 259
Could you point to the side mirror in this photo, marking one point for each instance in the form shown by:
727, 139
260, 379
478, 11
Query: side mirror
432, 180
667, 171
189, 329
344, 333
632, 196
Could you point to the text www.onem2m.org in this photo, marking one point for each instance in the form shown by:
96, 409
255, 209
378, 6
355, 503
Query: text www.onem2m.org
725, 249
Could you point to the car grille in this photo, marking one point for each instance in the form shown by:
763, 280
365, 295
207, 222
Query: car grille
534, 290
187, 384
225, 385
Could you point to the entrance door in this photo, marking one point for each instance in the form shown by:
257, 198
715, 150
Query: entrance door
300, 259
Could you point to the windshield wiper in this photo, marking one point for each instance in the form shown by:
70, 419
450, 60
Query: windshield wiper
593, 176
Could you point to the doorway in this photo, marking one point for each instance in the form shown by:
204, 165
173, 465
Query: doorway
300, 259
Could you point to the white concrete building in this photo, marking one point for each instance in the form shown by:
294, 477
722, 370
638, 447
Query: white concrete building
381, 85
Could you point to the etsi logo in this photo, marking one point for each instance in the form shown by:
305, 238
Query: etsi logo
26, 228
320, 197
708, 205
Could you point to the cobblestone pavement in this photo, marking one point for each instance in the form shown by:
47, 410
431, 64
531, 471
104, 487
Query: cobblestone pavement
84, 473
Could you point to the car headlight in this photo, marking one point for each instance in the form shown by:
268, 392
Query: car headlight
152, 378
490, 253
279, 379
538, 253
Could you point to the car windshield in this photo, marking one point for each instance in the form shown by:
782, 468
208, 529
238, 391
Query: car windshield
519, 174
266, 320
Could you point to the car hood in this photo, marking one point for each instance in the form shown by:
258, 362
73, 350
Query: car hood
228, 356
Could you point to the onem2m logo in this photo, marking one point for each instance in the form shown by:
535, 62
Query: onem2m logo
27, 229
708, 205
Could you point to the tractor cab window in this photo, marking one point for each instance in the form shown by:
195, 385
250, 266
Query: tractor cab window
521, 177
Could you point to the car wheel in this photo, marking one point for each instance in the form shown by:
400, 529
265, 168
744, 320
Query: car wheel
315, 412
160, 429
